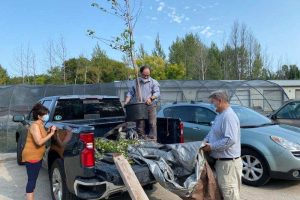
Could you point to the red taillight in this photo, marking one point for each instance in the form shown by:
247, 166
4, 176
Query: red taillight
88, 153
181, 132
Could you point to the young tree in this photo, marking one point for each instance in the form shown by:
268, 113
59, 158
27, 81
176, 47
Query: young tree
25, 64
125, 42
243, 52
33, 67
234, 42
51, 60
201, 59
20, 64
61, 54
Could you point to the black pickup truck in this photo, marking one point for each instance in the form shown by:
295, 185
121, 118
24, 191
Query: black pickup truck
73, 170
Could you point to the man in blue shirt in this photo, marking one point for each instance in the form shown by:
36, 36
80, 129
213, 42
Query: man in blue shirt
150, 93
223, 142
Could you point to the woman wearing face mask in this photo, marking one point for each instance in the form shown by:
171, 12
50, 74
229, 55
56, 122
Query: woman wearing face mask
34, 148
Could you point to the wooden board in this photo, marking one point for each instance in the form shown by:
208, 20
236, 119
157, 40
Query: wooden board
133, 185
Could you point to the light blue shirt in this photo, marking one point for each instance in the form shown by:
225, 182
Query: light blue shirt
225, 135
148, 89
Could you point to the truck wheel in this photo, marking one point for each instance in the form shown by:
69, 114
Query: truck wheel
19, 152
59, 190
255, 168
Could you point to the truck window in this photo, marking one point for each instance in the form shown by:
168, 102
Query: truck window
47, 104
76, 109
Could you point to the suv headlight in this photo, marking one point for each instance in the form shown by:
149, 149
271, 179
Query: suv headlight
291, 146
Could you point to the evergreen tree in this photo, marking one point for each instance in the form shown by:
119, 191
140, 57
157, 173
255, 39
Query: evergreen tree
158, 50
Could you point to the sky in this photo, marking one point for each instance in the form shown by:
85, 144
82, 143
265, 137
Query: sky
33, 23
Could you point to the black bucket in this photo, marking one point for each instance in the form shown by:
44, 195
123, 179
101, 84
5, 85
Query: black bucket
136, 111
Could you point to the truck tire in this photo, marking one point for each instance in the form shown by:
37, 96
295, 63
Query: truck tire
59, 190
19, 151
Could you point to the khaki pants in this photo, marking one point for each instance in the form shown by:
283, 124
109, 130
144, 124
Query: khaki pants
140, 124
229, 177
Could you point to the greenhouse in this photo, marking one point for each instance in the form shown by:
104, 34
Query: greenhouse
262, 96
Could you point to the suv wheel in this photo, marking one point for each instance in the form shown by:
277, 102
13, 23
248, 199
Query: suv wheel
255, 168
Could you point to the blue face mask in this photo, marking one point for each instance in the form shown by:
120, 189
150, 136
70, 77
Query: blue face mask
45, 118
213, 106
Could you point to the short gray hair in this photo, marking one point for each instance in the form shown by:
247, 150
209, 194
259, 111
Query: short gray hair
220, 95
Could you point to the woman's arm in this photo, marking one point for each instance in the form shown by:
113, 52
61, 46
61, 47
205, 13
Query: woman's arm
37, 135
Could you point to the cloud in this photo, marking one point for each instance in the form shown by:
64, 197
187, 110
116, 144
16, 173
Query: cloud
208, 5
174, 16
213, 19
148, 37
187, 19
202, 6
186, 7
193, 28
216, 4
161, 6
207, 32
154, 18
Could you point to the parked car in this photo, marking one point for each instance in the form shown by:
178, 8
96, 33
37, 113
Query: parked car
268, 150
288, 113
73, 171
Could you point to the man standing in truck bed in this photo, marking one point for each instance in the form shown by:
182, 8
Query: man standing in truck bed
150, 93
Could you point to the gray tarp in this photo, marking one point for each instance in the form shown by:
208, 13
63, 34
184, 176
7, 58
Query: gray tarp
177, 167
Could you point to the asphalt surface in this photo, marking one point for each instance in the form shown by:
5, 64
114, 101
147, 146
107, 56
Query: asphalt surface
13, 181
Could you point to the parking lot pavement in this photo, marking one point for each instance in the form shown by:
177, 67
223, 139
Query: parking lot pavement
13, 180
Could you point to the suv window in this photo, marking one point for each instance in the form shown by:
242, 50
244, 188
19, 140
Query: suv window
290, 111
75, 109
204, 115
190, 114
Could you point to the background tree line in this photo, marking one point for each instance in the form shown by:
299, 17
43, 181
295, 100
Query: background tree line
240, 58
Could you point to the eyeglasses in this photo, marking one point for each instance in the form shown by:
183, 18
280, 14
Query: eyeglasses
145, 75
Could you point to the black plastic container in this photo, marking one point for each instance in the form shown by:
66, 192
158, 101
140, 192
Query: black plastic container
136, 111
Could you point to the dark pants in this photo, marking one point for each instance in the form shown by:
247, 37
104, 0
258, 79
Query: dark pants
141, 124
33, 170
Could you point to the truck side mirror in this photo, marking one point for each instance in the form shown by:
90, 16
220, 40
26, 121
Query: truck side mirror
19, 118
